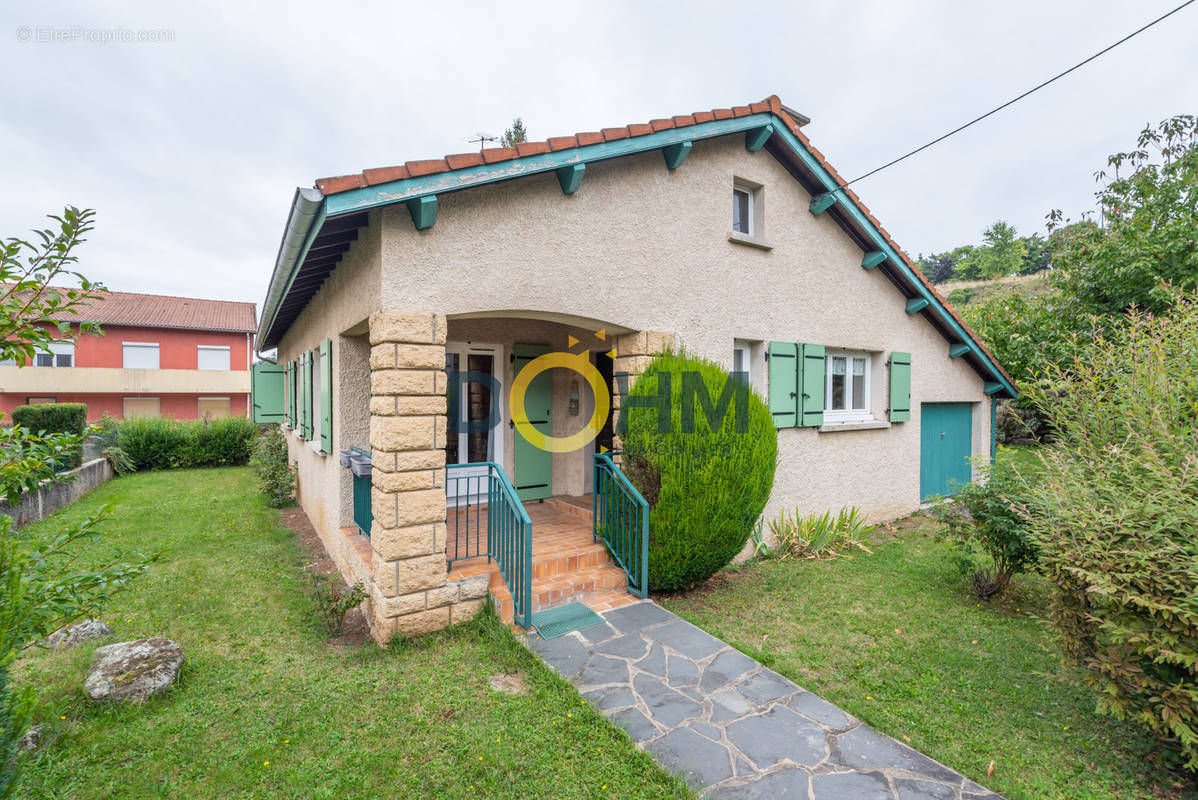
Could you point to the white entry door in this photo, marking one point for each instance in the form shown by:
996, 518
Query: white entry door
476, 417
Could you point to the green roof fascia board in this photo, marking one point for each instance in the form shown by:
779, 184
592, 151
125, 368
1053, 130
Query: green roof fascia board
394, 191
850, 209
275, 299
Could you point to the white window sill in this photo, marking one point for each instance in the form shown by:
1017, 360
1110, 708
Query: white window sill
861, 425
751, 241
315, 447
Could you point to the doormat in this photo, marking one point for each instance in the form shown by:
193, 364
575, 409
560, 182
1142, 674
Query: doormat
553, 622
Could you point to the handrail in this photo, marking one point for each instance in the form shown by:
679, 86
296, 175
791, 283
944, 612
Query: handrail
621, 519
507, 537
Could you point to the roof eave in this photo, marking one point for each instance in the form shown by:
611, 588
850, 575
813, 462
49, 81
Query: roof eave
303, 223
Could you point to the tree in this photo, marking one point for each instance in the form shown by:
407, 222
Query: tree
1038, 256
515, 134
1003, 251
938, 267
40, 590
1148, 238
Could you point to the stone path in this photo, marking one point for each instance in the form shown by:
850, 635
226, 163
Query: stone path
731, 727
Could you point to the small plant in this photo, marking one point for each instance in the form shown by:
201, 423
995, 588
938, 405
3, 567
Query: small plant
990, 536
275, 474
334, 599
761, 549
821, 535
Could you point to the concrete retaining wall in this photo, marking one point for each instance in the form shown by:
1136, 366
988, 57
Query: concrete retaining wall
51, 497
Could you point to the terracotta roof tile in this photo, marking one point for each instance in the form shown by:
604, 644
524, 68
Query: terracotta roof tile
593, 137
165, 311
722, 113
493, 154
562, 142
703, 116
463, 160
759, 108
741, 111
640, 129
683, 121
532, 148
661, 124
611, 134
430, 167
341, 183
385, 174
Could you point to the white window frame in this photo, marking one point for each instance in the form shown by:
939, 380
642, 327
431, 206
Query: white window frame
55, 350
215, 348
498, 454
753, 360
738, 188
144, 346
846, 415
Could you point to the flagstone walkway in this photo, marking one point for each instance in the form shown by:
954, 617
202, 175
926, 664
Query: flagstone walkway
729, 726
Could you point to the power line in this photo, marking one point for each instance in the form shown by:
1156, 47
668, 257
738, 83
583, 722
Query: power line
1012, 101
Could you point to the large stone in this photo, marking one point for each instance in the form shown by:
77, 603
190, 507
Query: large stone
688, 640
403, 433
423, 621
420, 356
133, 670
668, 707
724, 669
857, 785
423, 505
637, 616
820, 710
31, 741
864, 748
77, 633
700, 761
630, 645
765, 687
777, 735
788, 783
404, 381
407, 326
390, 544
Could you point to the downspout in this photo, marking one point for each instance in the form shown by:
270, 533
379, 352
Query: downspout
303, 221
993, 429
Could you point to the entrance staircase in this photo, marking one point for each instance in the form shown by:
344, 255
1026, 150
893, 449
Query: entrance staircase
567, 565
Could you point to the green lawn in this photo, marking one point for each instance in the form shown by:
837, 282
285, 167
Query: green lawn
895, 639
266, 707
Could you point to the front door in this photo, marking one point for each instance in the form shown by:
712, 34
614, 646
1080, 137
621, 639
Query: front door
533, 466
945, 431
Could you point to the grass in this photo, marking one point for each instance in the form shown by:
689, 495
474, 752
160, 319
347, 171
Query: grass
267, 707
961, 293
895, 639
1024, 458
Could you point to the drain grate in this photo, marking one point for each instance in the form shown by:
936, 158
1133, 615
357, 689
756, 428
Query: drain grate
553, 622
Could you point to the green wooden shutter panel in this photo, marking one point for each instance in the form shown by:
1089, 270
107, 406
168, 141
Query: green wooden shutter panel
266, 391
292, 373
305, 398
900, 387
784, 383
326, 396
811, 401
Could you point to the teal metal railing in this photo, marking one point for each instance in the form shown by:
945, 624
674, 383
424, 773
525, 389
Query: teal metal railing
621, 520
487, 518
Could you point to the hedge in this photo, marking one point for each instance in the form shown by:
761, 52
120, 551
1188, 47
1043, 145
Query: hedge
54, 418
160, 443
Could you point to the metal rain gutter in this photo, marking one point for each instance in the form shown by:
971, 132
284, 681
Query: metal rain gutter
304, 220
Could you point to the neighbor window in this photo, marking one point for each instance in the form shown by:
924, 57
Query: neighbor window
139, 355
61, 354
141, 407
846, 391
33, 401
216, 358
212, 407
740, 358
742, 211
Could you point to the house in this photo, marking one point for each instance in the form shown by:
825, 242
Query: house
417, 310
180, 357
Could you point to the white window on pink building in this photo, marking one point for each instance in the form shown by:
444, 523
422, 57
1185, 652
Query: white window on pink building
139, 355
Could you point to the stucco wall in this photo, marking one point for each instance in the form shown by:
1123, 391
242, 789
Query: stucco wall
642, 247
341, 306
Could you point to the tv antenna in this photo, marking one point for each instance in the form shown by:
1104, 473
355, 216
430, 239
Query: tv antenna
482, 139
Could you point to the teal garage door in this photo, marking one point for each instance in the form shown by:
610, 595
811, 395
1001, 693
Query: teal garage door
945, 433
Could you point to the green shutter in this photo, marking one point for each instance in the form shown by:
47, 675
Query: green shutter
292, 373
266, 391
326, 396
900, 387
784, 383
811, 403
308, 426
287, 395
305, 409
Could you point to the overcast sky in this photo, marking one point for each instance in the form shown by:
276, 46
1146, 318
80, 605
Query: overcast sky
190, 147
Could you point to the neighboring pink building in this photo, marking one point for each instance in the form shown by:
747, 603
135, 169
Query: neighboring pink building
178, 357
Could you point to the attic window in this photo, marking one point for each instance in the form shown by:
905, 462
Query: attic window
742, 211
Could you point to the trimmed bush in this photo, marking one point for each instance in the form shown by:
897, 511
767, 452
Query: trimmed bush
271, 462
159, 443
706, 486
1115, 510
54, 418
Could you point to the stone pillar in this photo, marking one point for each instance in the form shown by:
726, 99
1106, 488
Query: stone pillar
409, 594
634, 351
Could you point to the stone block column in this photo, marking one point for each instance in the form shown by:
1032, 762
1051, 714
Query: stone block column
634, 352
409, 594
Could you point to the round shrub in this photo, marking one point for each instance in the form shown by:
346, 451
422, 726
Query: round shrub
707, 479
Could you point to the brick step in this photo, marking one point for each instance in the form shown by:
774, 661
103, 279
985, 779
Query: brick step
569, 586
585, 556
583, 512
607, 599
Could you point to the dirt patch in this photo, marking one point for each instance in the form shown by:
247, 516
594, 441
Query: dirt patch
317, 561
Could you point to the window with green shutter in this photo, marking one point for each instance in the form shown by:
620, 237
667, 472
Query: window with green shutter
326, 396
811, 402
266, 391
305, 398
784, 383
900, 387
